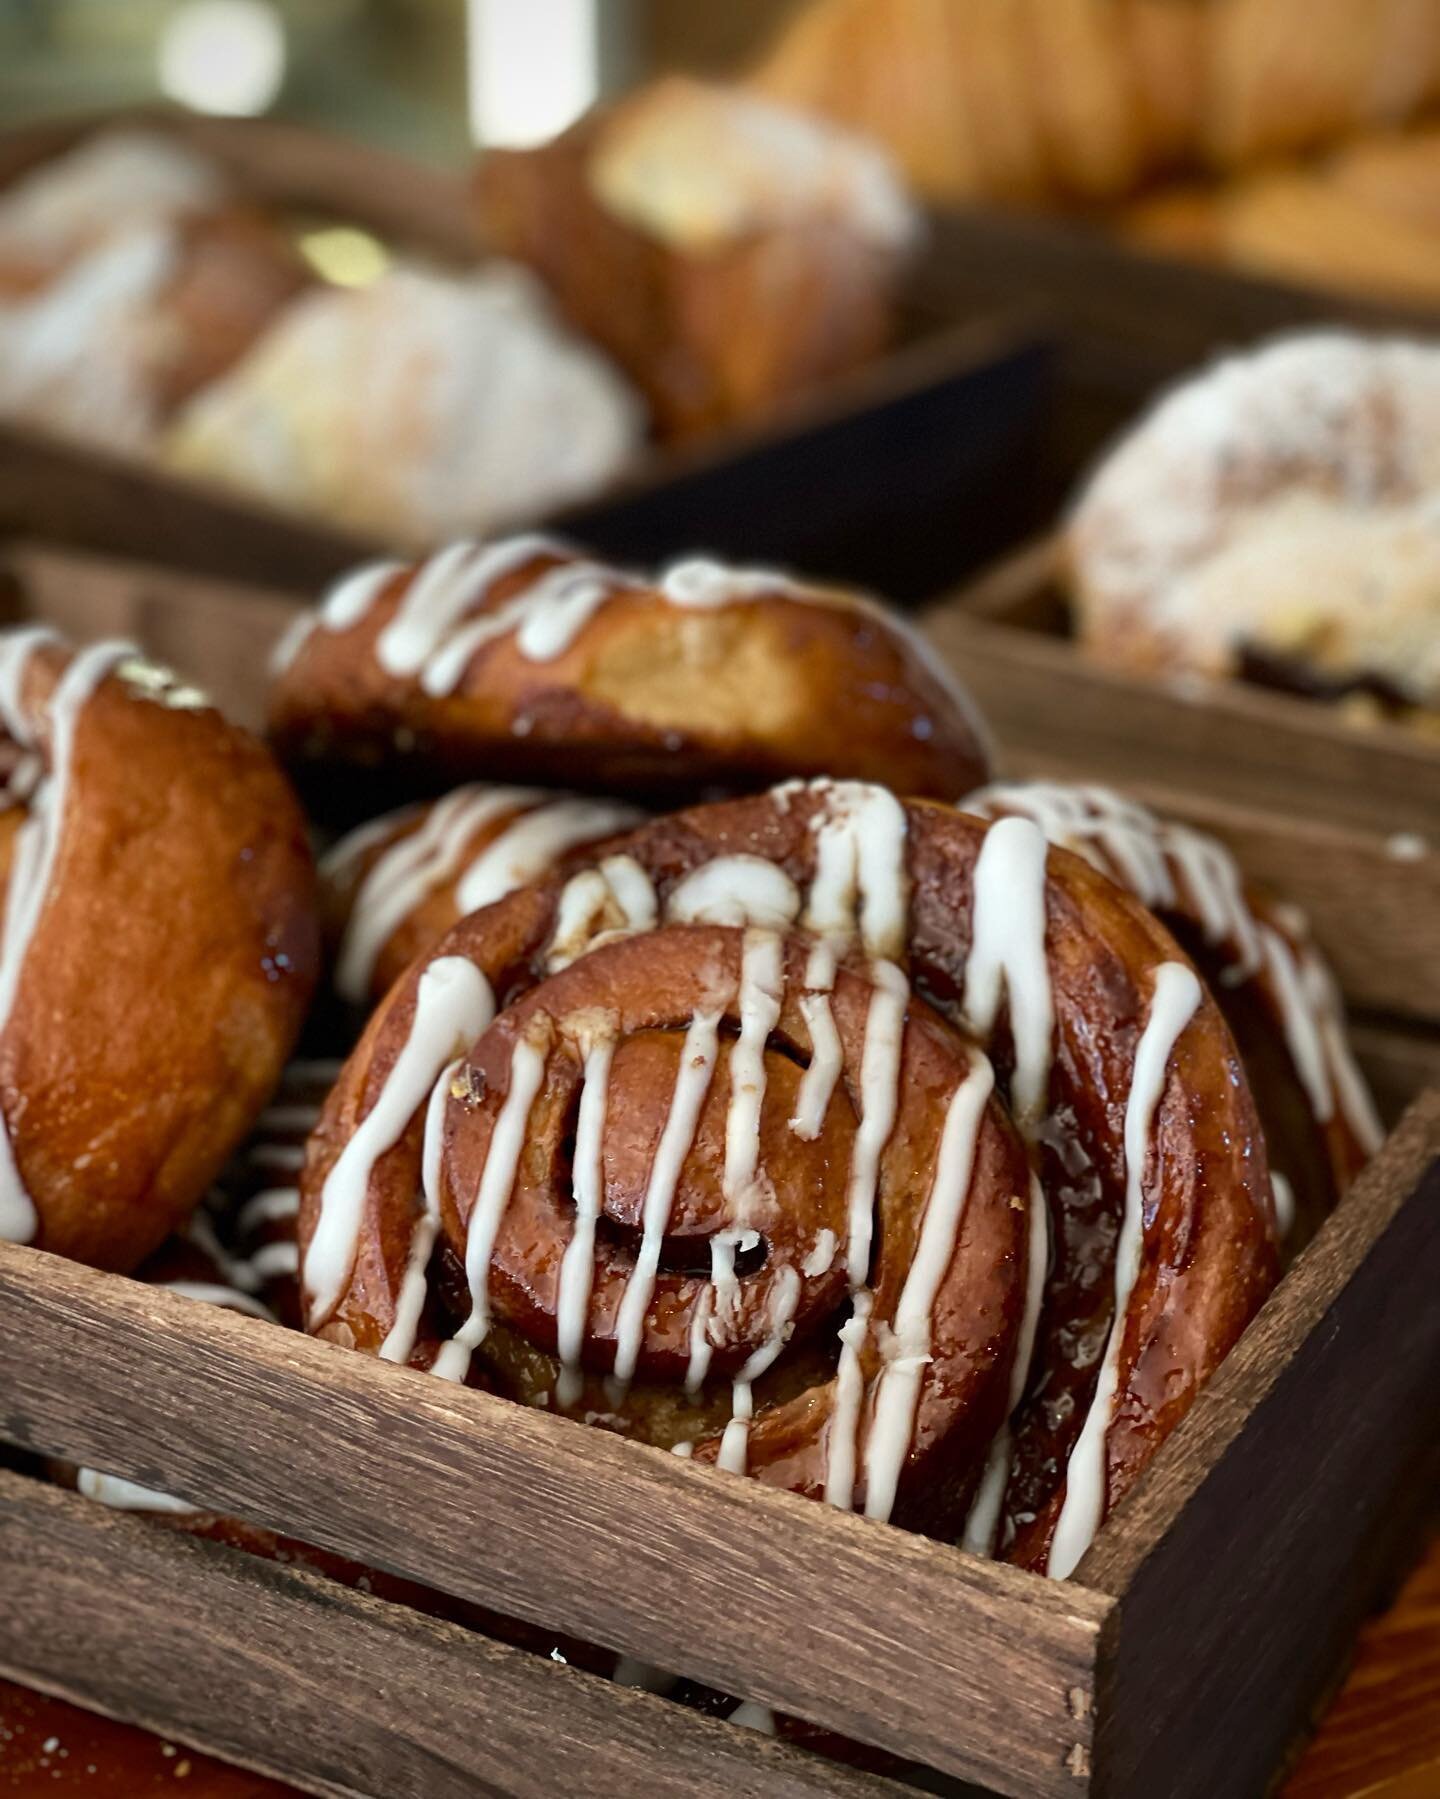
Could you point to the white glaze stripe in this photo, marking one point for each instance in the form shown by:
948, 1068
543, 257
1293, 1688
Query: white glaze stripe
897, 1395
577, 1270
1007, 959
414, 1283
879, 1096
525, 849
692, 1083
983, 1521
497, 1182
1173, 1004
453, 1004
844, 1423
734, 1444
37, 844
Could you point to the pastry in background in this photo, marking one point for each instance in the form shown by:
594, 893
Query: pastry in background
728, 252
108, 186
124, 334
1022, 100
1277, 515
415, 408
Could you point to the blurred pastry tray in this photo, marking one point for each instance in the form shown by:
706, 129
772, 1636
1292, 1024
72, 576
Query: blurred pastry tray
1277, 1514
854, 456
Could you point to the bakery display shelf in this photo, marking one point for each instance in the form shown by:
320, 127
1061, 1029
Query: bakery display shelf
1234, 1574
842, 457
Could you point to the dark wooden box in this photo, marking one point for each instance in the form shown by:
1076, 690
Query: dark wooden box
1211, 1615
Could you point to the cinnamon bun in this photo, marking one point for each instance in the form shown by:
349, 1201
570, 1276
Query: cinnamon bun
859, 1146
523, 660
159, 945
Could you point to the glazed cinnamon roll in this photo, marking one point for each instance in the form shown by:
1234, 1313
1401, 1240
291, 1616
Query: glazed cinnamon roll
522, 660
393, 887
159, 945
1265, 970
859, 1146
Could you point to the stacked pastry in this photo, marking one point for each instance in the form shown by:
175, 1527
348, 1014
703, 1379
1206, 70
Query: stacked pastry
729, 252
144, 309
1276, 516
922, 1155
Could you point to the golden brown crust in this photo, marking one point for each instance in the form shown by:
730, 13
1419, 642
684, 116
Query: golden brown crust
647, 696
709, 339
168, 971
1208, 1252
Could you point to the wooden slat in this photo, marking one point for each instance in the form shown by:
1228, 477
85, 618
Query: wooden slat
1048, 706
964, 1665
285, 1672
1270, 1520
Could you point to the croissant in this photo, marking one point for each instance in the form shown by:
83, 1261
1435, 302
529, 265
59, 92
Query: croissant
704, 1142
727, 252
1260, 962
522, 660
159, 945
1271, 517
1086, 99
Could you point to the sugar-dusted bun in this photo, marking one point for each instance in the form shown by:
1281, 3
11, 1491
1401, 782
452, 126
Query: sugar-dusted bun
1280, 512
159, 945
107, 186
522, 660
108, 350
419, 406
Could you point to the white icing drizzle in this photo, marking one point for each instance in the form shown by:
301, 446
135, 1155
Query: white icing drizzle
692, 1083
751, 1716
577, 1269
821, 1258
442, 591
983, 1520
1302, 1030
717, 1301
406, 874
827, 1058
897, 1395
545, 616
1173, 1004
272, 1205
289, 1157
212, 1293
414, 1283
860, 880
342, 608
762, 976
879, 1094
453, 1005
272, 1261
409, 872
734, 1444
37, 844
1284, 1204
1007, 959
601, 905
128, 1495
736, 891
844, 1421
497, 1182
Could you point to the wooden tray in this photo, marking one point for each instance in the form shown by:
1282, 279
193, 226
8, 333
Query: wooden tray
843, 453
1362, 801
1272, 1519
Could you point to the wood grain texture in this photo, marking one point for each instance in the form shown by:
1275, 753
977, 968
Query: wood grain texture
965, 1665
283, 1671
1270, 1521
1241, 744
1381, 1737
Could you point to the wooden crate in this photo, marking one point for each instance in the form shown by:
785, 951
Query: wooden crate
1361, 851
961, 378
1212, 1613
